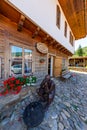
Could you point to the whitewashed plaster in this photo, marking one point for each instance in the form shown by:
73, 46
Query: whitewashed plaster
43, 14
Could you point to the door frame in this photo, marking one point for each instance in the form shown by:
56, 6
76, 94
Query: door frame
51, 64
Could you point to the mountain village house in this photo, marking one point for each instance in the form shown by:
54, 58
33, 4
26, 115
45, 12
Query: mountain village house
37, 36
78, 63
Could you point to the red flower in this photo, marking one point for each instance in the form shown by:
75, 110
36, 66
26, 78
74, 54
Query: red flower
17, 82
11, 84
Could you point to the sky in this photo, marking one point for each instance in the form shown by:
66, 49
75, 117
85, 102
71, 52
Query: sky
82, 42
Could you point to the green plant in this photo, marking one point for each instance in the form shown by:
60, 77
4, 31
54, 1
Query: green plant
13, 84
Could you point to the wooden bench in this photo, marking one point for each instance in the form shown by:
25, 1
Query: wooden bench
65, 74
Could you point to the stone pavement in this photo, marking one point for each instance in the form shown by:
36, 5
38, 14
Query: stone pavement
68, 111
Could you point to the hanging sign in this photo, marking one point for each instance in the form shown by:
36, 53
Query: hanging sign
41, 47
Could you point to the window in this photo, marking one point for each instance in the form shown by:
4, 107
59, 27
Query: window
65, 29
21, 60
71, 39
58, 17
27, 60
64, 63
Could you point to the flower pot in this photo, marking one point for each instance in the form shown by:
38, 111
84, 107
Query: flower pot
3, 93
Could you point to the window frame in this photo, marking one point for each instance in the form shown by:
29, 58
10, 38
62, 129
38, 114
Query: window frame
23, 58
65, 29
58, 16
71, 38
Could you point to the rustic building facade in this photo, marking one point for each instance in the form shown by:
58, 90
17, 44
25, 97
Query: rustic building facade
80, 61
34, 39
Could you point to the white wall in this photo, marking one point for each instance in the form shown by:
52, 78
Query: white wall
43, 13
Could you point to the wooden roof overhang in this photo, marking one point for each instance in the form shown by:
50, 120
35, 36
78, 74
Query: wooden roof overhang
80, 57
23, 22
76, 15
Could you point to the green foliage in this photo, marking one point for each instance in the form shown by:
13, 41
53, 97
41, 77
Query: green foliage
17, 54
80, 51
85, 51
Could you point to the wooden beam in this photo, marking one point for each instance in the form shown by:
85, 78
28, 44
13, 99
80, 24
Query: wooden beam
52, 42
64, 50
55, 46
58, 45
21, 23
36, 32
61, 48
45, 39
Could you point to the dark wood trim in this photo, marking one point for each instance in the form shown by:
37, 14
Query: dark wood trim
36, 32
45, 38
21, 23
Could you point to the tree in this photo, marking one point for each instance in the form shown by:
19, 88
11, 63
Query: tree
84, 50
80, 51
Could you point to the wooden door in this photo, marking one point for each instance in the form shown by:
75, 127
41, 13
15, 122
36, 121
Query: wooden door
57, 66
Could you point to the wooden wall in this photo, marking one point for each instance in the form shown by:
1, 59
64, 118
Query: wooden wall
10, 36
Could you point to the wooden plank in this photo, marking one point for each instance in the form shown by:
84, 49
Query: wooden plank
57, 66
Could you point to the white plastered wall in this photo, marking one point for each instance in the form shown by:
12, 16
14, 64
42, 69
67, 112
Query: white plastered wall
43, 14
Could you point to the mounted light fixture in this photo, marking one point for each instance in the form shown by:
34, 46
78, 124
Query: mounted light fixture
42, 60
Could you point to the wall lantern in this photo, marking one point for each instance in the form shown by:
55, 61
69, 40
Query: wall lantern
42, 60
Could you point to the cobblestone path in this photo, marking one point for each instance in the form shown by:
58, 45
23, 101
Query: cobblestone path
68, 111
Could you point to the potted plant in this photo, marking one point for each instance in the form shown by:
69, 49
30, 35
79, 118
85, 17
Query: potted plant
12, 85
